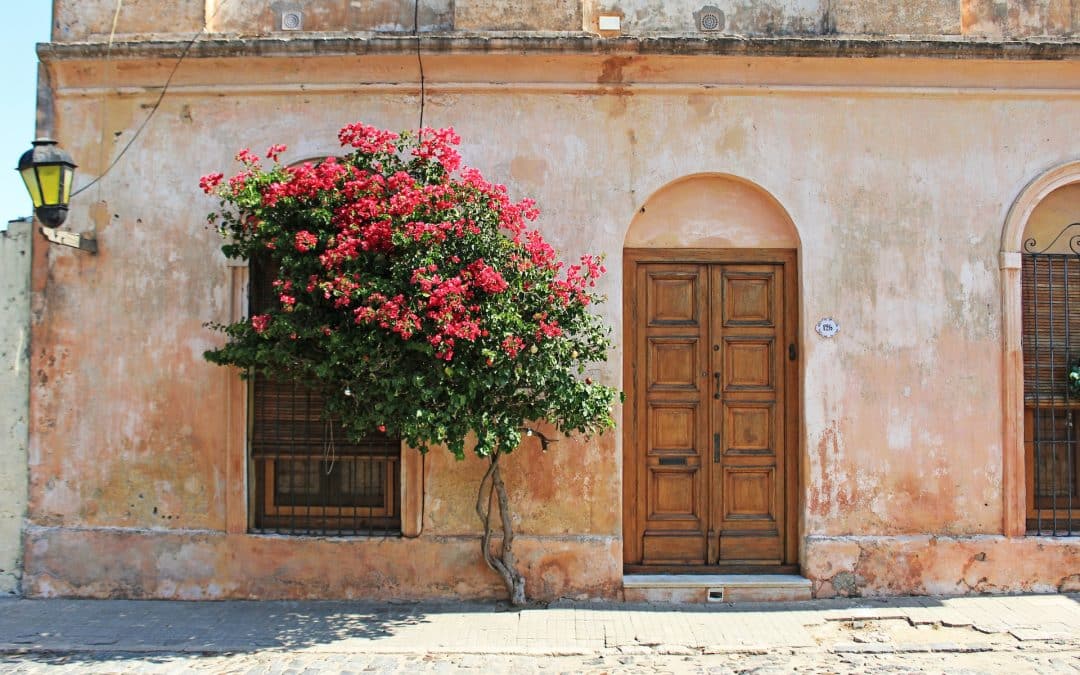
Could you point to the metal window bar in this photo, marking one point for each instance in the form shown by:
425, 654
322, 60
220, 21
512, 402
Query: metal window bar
1051, 296
309, 478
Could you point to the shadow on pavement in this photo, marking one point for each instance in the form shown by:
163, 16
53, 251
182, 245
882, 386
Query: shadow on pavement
89, 631
74, 632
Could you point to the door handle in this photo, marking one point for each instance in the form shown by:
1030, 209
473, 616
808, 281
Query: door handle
716, 448
716, 385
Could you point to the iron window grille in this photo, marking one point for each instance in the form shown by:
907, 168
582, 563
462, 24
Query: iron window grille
308, 477
1051, 347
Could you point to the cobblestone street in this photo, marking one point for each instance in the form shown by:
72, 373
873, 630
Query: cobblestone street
1043, 658
987, 634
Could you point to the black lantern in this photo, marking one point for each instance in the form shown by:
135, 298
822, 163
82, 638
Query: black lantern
48, 171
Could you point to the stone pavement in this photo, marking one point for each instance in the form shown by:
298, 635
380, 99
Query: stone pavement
1032, 633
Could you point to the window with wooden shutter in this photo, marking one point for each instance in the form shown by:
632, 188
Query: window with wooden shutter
309, 478
1051, 347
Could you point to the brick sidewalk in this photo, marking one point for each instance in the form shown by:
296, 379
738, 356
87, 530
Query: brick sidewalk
860, 626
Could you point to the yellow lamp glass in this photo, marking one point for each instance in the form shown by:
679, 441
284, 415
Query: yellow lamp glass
29, 177
68, 178
49, 177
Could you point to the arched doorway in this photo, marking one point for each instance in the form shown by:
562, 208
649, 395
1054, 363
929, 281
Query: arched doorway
711, 438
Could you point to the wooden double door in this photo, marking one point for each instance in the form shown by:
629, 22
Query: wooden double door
710, 463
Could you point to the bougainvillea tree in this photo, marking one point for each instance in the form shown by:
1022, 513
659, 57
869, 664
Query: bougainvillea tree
413, 294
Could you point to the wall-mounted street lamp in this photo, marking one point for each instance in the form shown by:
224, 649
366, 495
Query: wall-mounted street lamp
48, 172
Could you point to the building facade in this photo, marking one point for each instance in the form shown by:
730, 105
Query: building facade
842, 356
14, 403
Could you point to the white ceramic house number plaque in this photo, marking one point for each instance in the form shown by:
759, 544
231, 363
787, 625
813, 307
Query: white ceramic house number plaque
827, 327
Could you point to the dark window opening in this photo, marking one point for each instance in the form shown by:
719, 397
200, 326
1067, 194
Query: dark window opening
308, 477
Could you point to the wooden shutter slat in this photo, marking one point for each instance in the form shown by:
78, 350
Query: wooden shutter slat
288, 420
287, 416
1051, 325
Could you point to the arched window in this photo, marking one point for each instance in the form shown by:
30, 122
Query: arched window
1050, 301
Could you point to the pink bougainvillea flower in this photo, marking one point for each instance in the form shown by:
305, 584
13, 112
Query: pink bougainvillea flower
210, 182
305, 241
260, 322
274, 151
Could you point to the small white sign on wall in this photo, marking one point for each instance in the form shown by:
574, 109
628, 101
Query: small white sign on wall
827, 327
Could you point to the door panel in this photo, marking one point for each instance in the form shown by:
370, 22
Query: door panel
748, 364
746, 323
749, 493
674, 408
762, 550
749, 298
748, 427
673, 363
707, 444
673, 494
674, 297
673, 428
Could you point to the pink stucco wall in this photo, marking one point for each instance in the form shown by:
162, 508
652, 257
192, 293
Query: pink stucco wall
896, 175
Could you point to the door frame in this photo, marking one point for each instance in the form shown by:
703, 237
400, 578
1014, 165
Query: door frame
632, 257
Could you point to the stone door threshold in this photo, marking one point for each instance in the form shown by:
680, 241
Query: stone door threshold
703, 588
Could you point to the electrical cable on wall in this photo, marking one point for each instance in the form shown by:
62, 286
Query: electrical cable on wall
161, 96
102, 116
419, 58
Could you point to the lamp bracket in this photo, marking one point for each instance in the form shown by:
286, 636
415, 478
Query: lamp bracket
66, 238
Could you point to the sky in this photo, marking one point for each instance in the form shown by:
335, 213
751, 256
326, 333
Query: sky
25, 24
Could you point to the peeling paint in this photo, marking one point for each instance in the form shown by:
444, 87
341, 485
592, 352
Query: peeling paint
890, 176
929, 565
213, 566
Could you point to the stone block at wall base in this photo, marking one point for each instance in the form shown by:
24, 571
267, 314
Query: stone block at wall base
10, 555
203, 565
927, 565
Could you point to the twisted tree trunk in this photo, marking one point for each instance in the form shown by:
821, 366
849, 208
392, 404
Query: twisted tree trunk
491, 488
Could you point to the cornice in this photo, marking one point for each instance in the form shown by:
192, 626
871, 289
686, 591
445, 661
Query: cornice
331, 44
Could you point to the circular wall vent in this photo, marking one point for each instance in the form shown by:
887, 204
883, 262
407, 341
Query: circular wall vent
292, 21
710, 21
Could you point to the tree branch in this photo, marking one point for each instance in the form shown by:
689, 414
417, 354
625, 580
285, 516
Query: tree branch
485, 517
545, 441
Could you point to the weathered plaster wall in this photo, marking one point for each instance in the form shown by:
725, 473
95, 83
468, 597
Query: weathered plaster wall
85, 19
553, 15
980, 19
897, 175
933, 565
1020, 18
894, 17
14, 397
212, 565
740, 17
261, 17
89, 19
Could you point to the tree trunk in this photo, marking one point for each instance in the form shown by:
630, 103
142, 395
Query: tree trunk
491, 488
